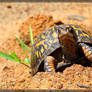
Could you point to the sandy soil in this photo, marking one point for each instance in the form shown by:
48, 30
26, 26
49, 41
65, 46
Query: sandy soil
15, 19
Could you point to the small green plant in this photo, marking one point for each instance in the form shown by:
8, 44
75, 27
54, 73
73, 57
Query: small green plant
31, 35
13, 57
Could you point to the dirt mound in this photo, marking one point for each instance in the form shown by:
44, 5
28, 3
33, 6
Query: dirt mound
71, 76
38, 23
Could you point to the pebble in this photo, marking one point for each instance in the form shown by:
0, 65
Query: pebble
77, 73
60, 85
83, 85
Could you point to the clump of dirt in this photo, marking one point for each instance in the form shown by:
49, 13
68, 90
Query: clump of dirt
38, 23
17, 76
66, 80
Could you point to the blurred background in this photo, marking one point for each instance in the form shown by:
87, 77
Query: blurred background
12, 14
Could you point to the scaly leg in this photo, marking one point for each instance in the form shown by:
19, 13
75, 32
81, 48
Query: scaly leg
49, 64
87, 50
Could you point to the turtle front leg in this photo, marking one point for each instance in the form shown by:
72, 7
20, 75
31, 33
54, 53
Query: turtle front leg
87, 50
49, 64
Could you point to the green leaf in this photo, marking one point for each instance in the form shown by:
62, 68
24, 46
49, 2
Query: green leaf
27, 60
31, 35
13, 54
7, 56
23, 44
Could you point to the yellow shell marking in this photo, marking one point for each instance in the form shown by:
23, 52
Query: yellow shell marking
83, 48
80, 29
53, 28
54, 35
38, 54
66, 25
74, 27
42, 50
86, 35
77, 32
85, 51
83, 34
40, 43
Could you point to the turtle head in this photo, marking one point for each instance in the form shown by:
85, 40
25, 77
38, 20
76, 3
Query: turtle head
66, 33
68, 43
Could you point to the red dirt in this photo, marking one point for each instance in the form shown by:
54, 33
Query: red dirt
38, 24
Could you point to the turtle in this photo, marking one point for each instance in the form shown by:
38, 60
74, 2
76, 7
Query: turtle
83, 47
47, 48
58, 43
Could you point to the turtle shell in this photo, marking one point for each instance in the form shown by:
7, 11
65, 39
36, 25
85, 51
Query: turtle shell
81, 34
46, 43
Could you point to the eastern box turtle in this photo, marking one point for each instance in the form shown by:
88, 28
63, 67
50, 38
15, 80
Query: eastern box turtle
75, 41
58, 43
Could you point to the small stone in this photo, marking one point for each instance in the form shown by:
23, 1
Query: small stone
60, 85
77, 73
83, 85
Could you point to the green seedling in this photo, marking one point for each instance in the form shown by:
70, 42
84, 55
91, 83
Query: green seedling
24, 48
31, 35
9, 57
13, 54
13, 57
